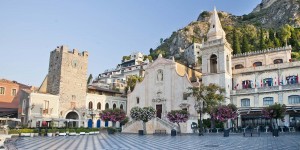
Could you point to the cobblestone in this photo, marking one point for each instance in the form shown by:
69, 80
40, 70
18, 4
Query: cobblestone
212, 141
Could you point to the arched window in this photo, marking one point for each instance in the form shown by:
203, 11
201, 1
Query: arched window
239, 66
268, 101
227, 64
90, 105
114, 106
99, 106
256, 64
213, 64
106, 106
294, 99
121, 106
245, 102
278, 61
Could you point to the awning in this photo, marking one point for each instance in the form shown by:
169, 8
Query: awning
10, 119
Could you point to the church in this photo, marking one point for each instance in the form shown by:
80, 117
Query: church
251, 81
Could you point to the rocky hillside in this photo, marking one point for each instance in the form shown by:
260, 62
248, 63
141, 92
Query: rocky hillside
267, 18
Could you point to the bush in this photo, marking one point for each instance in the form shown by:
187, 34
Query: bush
26, 130
112, 130
13, 131
61, 130
72, 130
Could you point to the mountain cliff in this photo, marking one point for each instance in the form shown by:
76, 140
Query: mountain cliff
264, 28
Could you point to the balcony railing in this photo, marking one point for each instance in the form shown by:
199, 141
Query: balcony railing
266, 89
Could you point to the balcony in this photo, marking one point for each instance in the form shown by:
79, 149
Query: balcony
266, 89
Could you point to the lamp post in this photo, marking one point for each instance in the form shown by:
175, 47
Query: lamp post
199, 107
92, 114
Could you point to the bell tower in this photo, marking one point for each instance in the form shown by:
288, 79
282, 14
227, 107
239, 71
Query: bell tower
216, 57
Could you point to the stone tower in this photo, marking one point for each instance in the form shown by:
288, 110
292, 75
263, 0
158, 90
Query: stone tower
216, 57
67, 77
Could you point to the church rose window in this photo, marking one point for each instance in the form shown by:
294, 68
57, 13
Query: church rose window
294, 99
268, 101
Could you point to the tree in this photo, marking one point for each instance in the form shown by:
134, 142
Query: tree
113, 115
178, 116
90, 79
224, 113
285, 33
209, 96
245, 45
131, 82
262, 44
142, 114
276, 112
236, 43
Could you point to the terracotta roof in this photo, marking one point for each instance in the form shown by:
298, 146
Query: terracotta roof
13, 82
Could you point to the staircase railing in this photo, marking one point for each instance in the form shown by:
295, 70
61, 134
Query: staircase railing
167, 123
128, 124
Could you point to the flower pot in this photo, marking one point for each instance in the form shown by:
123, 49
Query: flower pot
31, 134
49, 134
110, 131
25, 134
141, 132
62, 134
275, 132
97, 132
90, 133
35, 134
72, 133
226, 132
82, 133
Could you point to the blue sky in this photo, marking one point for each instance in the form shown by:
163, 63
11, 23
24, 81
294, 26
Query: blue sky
107, 29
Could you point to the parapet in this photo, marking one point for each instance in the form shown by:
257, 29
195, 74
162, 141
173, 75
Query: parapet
270, 50
65, 49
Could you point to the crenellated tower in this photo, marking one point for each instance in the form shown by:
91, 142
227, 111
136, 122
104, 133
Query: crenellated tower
67, 77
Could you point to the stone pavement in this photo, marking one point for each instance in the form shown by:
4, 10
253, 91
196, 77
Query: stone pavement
285, 141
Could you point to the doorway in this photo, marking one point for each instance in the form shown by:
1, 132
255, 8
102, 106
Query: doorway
72, 115
158, 110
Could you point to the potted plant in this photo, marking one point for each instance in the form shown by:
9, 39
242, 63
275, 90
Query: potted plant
111, 130
35, 132
26, 132
274, 112
224, 113
72, 132
43, 132
81, 131
144, 114
96, 130
50, 132
62, 132
177, 116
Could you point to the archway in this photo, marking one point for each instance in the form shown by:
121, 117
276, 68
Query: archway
213, 63
90, 123
98, 123
72, 115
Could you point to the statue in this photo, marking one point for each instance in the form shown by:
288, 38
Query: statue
159, 75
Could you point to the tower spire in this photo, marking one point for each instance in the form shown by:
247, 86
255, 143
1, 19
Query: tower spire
215, 31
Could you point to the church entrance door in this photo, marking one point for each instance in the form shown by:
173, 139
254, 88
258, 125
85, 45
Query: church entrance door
158, 110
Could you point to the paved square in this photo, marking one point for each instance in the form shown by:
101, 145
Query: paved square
285, 141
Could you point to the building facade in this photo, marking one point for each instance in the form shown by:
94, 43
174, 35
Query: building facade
64, 97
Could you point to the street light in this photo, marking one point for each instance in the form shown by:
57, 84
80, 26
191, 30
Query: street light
199, 107
92, 114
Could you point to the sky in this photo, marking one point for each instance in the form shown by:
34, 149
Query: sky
107, 29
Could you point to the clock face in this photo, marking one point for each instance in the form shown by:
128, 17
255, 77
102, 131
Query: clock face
75, 63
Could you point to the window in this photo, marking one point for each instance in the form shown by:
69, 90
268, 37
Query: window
294, 99
278, 61
46, 108
99, 106
268, 82
137, 100
185, 109
90, 105
268, 101
213, 64
114, 106
256, 64
247, 84
73, 97
245, 102
185, 96
106, 106
239, 66
2, 90
292, 79
14, 92
121, 106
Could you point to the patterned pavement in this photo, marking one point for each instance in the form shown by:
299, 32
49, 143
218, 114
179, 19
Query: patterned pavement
212, 141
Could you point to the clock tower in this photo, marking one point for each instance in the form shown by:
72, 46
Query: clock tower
67, 77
